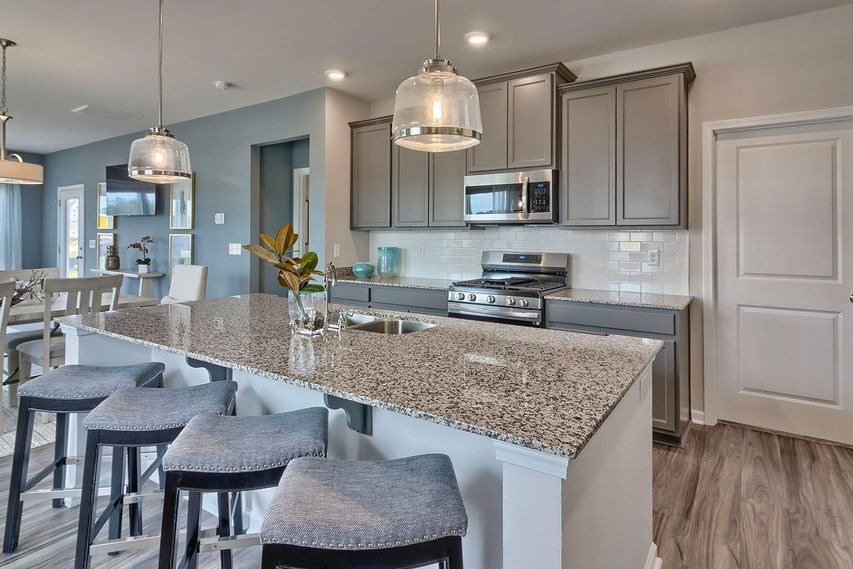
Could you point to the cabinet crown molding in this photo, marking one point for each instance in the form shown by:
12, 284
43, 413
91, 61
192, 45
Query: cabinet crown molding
371, 122
562, 73
686, 69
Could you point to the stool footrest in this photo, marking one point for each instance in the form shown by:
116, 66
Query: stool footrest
58, 494
142, 541
229, 542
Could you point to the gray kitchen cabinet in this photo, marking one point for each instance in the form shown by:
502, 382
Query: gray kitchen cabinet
490, 154
671, 368
401, 299
410, 187
530, 122
624, 150
588, 180
519, 114
370, 183
446, 198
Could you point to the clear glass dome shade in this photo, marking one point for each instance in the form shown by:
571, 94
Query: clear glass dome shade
159, 159
437, 111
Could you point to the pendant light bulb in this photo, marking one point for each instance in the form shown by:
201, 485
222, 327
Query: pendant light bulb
159, 157
13, 169
437, 110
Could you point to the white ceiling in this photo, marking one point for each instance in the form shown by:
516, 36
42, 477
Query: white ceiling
102, 52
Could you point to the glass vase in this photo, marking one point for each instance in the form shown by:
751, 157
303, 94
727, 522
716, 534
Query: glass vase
307, 312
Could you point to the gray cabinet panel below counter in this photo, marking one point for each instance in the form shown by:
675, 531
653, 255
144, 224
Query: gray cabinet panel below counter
391, 297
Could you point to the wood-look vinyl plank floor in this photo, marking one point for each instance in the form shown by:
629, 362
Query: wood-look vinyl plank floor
735, 498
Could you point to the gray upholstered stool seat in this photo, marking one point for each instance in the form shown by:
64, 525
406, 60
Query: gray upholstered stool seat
33, 348
17, 337
360, 505
89, 382
237, 444
139, 409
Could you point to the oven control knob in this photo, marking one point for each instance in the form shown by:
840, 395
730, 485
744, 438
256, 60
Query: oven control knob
472, 297
491, 299
460, 296
523, 302
510, 301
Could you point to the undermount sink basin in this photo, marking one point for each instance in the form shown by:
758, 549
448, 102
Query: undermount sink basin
356, 319
392, 326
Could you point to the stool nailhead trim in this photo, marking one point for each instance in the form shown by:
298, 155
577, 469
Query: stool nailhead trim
205, 468
25, 393
379, 544
101, 427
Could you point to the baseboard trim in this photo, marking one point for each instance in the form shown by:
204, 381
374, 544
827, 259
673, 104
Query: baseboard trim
652, 559
697, 416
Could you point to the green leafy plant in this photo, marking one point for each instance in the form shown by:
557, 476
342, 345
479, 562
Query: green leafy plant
294, 273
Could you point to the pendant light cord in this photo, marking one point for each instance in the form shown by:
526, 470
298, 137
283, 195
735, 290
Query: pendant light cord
3, 108
437, 31
160, 68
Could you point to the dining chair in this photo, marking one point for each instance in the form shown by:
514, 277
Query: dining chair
18, 334
7, 289
83, 296
189, 282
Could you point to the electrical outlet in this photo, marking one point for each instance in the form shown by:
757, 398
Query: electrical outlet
235, 249
92, 244
653, 258
219, 219
337, 250
423, 251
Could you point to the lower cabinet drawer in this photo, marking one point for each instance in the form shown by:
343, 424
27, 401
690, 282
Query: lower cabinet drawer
341, 293
648, 321
408, 298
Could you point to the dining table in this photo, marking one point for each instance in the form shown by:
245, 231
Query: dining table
32, 310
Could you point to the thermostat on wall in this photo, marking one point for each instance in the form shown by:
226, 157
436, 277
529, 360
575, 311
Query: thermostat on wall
218, 218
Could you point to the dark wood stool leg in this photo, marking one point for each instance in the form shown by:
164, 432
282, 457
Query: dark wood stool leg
59, 454
88, 499
237, 520
224, 527
268, 558
135, 509
18, 480
116, 483
169, 528
193, 527
454, 553
161, 474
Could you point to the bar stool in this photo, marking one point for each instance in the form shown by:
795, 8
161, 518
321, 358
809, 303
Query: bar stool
64, 390
228, 455
388, 514
129, 419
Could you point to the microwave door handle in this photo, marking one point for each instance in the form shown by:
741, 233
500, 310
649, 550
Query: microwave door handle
525, 211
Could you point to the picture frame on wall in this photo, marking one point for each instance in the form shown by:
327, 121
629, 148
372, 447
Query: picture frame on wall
182, 204
180, 250
104, 221
104, 240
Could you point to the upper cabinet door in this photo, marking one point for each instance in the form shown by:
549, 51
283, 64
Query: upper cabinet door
490, 154
530, 130
588, 178
649, 114
371, 180
447, 198
409, 187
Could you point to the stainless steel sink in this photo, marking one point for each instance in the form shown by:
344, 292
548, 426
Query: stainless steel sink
356, 319
392, 326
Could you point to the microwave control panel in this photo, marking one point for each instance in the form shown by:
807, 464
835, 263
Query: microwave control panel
540, 197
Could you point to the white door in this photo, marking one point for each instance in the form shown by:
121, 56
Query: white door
784, 279
300, 209
70, 231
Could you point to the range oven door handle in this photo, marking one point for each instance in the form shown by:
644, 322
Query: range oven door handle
525, 203
495, 312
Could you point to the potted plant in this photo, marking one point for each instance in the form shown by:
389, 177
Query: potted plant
306, 299
143, 264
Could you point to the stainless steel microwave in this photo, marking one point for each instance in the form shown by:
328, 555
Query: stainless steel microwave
511, 197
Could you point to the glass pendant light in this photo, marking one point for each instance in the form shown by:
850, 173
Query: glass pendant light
13, 169
437, 110
159, 157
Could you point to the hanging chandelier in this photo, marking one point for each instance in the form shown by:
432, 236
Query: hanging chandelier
159, 157
13, 169
437, 110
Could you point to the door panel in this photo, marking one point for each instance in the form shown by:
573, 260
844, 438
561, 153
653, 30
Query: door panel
71, 231
371, 179
529, 124
409, 187
784, 275
447, 196
490, 154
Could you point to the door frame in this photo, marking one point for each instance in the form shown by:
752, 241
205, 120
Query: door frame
60, 224
301, 194
710, 131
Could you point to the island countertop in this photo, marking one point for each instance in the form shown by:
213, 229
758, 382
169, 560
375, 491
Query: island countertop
542, 389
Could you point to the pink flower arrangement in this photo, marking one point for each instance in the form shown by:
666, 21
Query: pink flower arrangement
142, 247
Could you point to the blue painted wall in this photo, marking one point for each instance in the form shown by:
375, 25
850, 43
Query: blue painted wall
31, 214
223, 149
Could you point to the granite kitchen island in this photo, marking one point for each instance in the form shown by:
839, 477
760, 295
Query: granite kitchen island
549, 431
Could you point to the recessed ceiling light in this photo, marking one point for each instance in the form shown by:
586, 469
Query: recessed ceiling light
478, 38
336, 74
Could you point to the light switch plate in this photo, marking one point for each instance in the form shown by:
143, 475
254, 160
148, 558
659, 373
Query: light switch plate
92, 243
653, 259
337, 250
235, 249
219, 219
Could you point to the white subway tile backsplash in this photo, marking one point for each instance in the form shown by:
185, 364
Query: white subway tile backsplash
600, 259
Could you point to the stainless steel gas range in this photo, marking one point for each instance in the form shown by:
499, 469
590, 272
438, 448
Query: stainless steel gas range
511, 288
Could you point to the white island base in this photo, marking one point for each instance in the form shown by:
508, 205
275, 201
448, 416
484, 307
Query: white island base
526, 509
